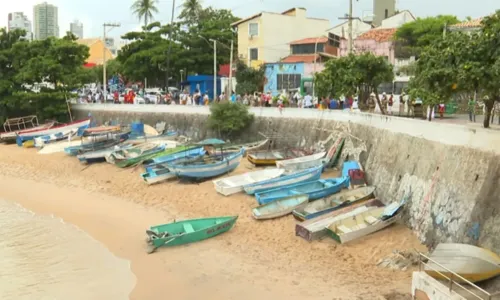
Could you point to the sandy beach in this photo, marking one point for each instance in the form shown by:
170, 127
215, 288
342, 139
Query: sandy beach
262, 260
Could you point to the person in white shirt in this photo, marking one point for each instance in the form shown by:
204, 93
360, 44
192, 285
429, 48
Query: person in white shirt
308, 101
189, 100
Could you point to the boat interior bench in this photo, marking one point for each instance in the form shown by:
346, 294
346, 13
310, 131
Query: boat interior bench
188, 228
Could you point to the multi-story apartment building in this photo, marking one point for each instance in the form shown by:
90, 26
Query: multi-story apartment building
76, 28
17, 20
46, 23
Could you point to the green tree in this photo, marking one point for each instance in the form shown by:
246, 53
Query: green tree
249, 80
144, 10
413, 37
229, 119
354, 74
58, 63
191, 11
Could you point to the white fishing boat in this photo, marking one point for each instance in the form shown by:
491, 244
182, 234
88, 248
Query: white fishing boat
472, 263
234, 184
280, 208
304, 162
51, 138
59, 146
315, 229
363, 223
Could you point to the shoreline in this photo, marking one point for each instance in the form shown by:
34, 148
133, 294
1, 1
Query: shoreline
254, 259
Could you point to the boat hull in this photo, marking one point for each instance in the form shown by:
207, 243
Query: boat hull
315, 229
157, 175
232, 185
301, 163
298, 177
314, 189
172, 155
30, 135
333, 203
473, 263
190, 231
280, 207
100, 155
227, 165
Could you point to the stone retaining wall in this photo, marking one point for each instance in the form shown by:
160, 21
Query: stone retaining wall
452, 171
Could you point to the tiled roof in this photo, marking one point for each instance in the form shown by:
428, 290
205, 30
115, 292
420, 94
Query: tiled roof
468, 24
313, 40
87, 42
306, 58
379, 35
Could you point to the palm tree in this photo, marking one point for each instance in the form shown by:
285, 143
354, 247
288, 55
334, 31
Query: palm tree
191, 10
144, 9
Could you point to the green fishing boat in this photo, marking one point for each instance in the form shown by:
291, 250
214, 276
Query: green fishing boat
135, 155
187, 231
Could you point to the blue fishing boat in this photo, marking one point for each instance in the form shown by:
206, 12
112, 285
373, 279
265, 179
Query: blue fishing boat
29, 135
189, 153
108, 140
314, 189
207, 166
287, 179
100, 155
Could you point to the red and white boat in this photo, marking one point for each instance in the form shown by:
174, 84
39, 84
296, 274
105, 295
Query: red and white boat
27, 135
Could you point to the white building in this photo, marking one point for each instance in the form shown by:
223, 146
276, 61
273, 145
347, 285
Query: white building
358, 28
46, 21
76, 28
18, 20
398, 20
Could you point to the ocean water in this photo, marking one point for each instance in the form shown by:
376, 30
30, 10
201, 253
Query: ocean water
41, 257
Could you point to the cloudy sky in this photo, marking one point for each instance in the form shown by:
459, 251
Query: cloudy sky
93, 13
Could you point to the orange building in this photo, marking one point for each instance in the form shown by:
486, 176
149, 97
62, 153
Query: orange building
96, 50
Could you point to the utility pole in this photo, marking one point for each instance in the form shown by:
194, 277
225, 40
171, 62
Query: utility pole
104, 77
350, 29
170, 46
231, 70
215, 68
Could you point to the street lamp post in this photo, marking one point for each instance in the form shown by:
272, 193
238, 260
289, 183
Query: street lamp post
215, 68
104, 79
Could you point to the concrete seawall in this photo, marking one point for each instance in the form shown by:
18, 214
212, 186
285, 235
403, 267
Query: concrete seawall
453, 171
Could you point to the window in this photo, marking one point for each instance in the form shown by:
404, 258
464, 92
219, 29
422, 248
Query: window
288, 81
253, 29
386, 13
254, 54
307, 48
400, 86
385, 88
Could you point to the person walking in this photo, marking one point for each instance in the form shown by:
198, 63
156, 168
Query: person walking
308, 101
402, 104
472, 110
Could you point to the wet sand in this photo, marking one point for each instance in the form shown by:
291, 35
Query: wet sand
254, 260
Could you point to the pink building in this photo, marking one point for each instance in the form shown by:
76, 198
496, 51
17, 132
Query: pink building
377, 41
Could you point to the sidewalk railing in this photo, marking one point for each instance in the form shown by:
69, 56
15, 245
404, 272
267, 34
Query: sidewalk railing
472, 289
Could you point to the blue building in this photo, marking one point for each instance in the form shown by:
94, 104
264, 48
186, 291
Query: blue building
202, 83
283, 76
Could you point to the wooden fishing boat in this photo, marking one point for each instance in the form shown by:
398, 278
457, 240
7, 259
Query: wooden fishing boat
159, 172
473, 263
333, 203
287, 179
162, 138
97, 142
101, 130
255, 146
334, 152
234, 184
13, 126
301, 163
188, 231
31, 134
364, 223
134, 155
172, 155
59, 146
269, 158
208, 166
314, 189
280, 208
41, 141
315, 229
100, 155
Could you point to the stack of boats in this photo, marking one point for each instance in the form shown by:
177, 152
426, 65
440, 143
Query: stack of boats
342, 208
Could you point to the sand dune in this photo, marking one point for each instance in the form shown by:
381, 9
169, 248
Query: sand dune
254, 260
